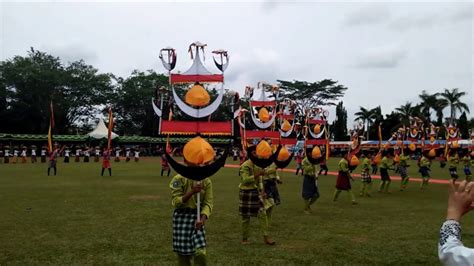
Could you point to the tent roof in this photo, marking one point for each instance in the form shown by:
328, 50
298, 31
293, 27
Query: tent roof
101, 131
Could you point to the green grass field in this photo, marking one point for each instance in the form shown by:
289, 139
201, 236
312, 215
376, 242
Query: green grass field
79, 217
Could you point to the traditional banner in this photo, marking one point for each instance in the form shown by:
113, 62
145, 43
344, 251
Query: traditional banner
51, 127
110, 127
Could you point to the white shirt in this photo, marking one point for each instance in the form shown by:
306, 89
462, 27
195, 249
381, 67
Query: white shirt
86, 153
117, 153
7, 153
23, 153
78, 152
33, 152
137, 154
15, 153
451, 250
66, 153
97, 152
127, 154
43, 152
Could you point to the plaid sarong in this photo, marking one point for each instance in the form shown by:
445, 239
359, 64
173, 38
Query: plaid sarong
403, 171
365, 177
186, 239
250, 203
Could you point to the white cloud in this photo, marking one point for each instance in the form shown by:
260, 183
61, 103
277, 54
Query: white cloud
388, 56
368, 15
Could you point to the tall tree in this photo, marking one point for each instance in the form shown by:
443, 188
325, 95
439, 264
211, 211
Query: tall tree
29, 83
312, 94
339, 126
390, 124
406, 111
368, 116
134, 113
453, 98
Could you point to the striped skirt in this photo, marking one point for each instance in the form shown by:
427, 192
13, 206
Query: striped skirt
249, 202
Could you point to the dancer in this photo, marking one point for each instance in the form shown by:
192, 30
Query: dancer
323, 166
384, 176
53, 155
106, 162
270, 187
164, 165
127, 155
251, 201
189, 236
66, 155
136, 154
299, 160
442, 161
424, 170
78, 154
344, 179
15, 154
97, 154
453, 161
33, 154
310, 185
87, 154
117, 155
6, 155
43, 154
366, 178
467, 163
23, 155
403, 169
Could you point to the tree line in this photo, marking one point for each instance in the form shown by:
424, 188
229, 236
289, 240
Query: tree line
79, 92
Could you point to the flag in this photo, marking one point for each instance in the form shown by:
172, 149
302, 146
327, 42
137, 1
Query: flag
51, 127
110, 127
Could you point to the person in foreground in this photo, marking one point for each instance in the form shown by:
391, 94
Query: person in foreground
451, 250
251, 201
189, 236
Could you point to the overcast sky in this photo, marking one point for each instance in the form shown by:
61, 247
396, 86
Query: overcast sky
385, 53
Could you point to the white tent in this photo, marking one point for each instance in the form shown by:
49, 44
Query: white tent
101, 131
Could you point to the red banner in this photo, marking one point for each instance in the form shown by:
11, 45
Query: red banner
193, 127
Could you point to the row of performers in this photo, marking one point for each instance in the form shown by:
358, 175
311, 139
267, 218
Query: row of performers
14, 156
259, 195
399, 162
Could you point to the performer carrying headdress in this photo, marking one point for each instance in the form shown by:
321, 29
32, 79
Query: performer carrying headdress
365, 175
424, 170
467, 163
344, 179
189, 236
252, 202
403, 169
310, 189
384, 175
453, 161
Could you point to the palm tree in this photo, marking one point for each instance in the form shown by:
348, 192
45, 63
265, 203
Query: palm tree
453, 99
367, 116
406, 111
432, 102
428, 102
